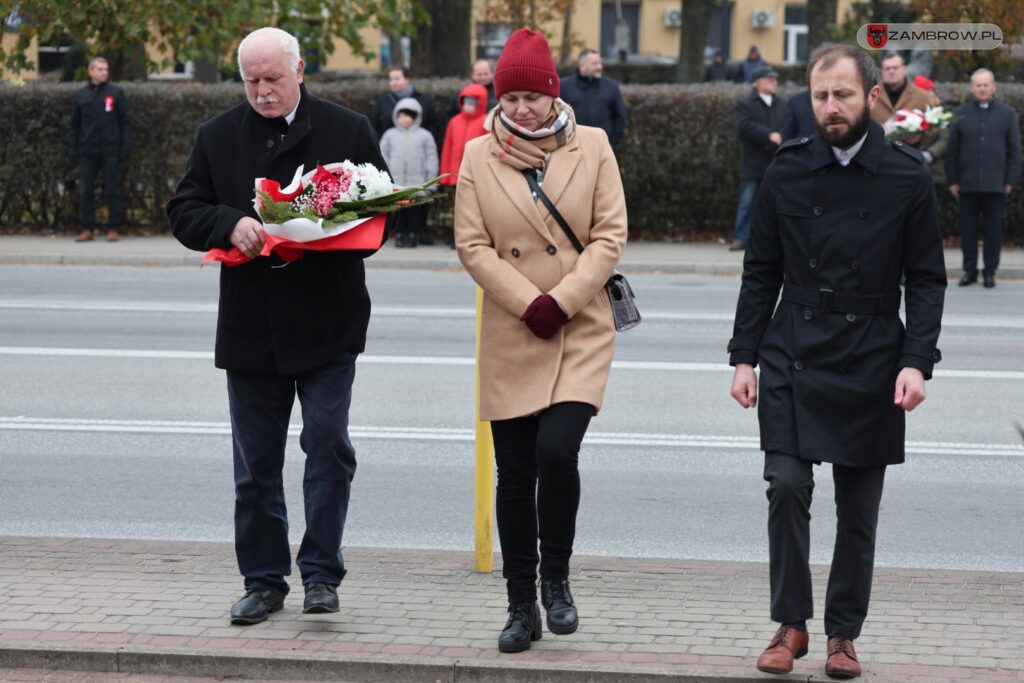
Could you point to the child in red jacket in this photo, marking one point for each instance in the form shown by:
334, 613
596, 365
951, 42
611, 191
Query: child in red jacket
463, 127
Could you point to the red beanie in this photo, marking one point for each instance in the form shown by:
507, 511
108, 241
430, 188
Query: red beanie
525, 64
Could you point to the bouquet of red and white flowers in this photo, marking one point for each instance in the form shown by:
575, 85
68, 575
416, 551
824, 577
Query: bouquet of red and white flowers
913, 121
340, 206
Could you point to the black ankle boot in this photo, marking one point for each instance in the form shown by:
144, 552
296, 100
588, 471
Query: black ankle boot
557, 600
522, 627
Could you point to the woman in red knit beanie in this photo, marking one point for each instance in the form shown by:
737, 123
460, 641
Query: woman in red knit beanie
547, 336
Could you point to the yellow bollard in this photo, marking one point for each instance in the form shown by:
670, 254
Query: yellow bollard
484, 468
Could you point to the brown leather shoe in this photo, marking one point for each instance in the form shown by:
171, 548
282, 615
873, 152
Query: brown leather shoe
84, 236
112, 236
737, 246
788, 644
842, 659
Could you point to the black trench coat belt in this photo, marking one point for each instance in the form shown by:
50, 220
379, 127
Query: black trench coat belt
828, 301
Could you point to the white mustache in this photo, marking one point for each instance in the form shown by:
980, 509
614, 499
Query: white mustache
269, 99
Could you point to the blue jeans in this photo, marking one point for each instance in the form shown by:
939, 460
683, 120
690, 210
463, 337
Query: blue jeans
260, 407
745, 210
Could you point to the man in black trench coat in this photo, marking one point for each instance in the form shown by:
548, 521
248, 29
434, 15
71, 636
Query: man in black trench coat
840, 217
283, 330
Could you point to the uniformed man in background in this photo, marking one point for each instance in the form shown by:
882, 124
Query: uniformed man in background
840, 217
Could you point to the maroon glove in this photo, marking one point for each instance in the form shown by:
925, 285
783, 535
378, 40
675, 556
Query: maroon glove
544, 316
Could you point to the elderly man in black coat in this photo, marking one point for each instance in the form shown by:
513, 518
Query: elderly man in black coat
761, 118
282, 329
842, 215
982, 167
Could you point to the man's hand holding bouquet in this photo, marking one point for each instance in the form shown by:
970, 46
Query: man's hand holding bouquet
340, 206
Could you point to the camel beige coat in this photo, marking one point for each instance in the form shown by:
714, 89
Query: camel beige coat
912, 97
514, 249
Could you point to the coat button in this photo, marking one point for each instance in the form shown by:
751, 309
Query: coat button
936, 355
515, 252
850, 317
270, 143
551, 250
867, 174
854, 264
863, 213
818, 211
799, 365
821, 171
813, 263
808, 315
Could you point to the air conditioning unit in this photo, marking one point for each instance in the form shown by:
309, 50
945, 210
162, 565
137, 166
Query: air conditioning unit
762, 18
673, 17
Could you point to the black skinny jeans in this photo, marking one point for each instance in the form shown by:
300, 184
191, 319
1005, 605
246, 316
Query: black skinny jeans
538, 493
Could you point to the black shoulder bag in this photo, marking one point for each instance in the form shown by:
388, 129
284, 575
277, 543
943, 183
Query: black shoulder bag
620, 294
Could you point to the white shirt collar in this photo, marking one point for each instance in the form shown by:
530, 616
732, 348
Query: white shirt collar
845, 156
291, 117
767, 99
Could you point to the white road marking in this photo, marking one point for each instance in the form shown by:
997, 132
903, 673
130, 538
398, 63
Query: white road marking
659, 366
970, 321
746, 443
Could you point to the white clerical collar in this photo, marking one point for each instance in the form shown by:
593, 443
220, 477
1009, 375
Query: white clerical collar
984, 105
767, 99
845, 156
291, 117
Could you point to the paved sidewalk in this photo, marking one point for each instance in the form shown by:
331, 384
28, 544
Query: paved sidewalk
160, 608
639, 257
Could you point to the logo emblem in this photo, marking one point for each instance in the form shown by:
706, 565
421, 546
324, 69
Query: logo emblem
878, 35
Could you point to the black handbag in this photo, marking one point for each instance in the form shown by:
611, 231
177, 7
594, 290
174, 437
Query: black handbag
624, 311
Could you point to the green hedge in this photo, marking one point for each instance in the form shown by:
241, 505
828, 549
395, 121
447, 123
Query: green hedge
679, 159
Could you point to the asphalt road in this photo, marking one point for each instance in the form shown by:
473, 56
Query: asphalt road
113, 423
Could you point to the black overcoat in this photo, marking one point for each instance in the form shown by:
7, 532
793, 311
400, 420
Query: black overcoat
836, 240
275, 318
983, 154
755, 121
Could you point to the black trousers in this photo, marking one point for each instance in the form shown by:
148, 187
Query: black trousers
261, 406
538, 493
88, 167
412, 221
858, 495
990, 205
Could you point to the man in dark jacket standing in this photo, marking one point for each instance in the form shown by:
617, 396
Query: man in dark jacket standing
100, 139
841, 216
594, 99
760, 119
982, 167
281, 331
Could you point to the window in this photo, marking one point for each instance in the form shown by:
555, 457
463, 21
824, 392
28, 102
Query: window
51, 57
794, 47
490, 38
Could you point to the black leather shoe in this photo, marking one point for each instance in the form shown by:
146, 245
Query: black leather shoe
557, 600
255, 606
321, 598
425, 238
989, 280
522, 627
968, 279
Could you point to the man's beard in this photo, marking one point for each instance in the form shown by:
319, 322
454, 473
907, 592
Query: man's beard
854, 132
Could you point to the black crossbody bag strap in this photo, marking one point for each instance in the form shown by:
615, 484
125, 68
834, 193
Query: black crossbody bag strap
531, 178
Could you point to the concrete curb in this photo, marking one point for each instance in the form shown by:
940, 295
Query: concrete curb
304, 666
